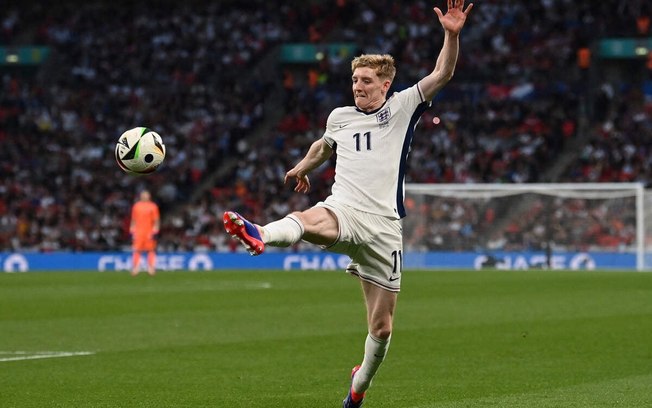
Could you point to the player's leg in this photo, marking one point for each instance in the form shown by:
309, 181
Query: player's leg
150, 247
316, 225
135, 262
151, 262
320, 225
140, 244
377, 262
381, 304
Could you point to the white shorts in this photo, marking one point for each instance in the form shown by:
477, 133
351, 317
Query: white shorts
374, 243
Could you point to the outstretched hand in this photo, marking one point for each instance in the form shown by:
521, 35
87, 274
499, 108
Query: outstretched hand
303, 183
454, 19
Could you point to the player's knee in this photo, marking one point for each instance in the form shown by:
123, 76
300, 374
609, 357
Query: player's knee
298, 214
304, 219
381, 330
319, 226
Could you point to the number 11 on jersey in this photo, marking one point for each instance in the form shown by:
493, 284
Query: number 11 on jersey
367, 136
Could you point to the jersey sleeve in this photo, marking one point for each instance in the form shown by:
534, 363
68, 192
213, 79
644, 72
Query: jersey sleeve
411, 97
330, 126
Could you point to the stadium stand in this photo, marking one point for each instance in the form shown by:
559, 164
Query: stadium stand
518, 103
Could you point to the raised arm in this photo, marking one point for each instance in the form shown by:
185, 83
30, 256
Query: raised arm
318, 153
452, 22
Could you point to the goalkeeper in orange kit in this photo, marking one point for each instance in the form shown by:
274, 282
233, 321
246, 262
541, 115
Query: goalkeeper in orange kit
144, 227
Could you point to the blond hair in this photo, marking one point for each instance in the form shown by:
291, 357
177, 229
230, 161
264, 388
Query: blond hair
383, 65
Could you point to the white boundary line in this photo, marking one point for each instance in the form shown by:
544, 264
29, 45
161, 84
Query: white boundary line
35, 355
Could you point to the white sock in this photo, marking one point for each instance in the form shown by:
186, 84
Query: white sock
284, 232
375, 351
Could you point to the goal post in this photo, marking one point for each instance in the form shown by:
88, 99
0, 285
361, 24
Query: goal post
521, 226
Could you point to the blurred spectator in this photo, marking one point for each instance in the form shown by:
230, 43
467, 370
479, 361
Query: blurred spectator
188, 71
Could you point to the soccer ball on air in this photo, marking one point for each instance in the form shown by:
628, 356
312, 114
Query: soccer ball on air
139, 151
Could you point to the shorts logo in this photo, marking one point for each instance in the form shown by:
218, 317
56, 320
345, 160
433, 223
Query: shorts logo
383, 117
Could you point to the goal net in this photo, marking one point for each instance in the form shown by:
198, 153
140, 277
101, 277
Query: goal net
524, 226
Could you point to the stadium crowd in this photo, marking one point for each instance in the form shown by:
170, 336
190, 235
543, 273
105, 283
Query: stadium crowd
180, 69
190, 72
479, 224
511, 109
619, 148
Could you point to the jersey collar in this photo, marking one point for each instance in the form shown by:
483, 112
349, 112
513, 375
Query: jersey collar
373, 111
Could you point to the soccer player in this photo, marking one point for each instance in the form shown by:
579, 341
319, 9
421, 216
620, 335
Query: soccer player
362, 216
145, 225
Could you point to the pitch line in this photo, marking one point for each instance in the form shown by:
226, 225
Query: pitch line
36, 355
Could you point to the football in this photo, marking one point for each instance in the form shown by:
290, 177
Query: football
139, 151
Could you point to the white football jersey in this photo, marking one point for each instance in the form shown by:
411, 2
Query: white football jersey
372, 150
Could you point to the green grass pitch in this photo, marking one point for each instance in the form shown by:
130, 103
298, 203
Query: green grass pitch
289, 339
